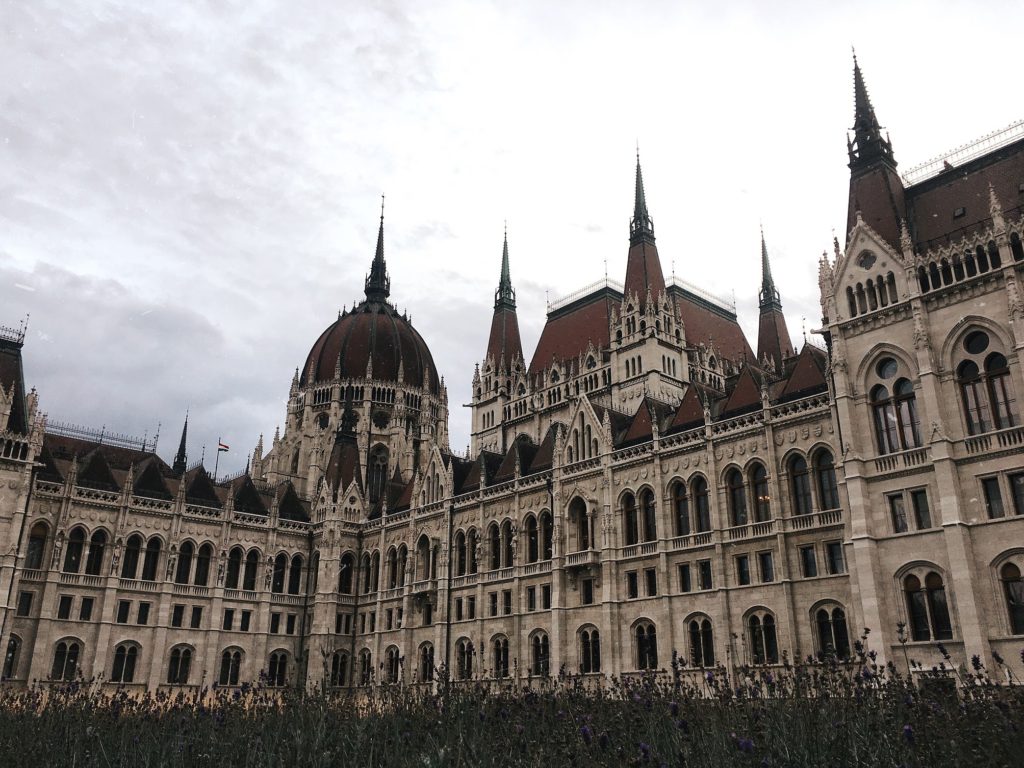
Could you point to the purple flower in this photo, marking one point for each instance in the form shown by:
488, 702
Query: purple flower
587, 734
645, 751
997, 658
976, 663
943, 651
745, 745
908, 734
673, 707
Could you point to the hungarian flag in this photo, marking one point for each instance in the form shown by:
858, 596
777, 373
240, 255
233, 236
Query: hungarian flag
221, 447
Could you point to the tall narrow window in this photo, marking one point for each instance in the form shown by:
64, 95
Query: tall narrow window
184, 568
800, 486
277, 577
975, 403
763, 640
36, 545
346, 569
1013, 590
937, 607
378, 473
65, 660
230, 663
179, 665
252, 561
123, 670
339, 669
1000, 390
833, 636
702, 646
825, 472
646, 647
494, 535
630, 531
590, 651
426, 662
203, 558
130, 561
681, 509
547, 536
906, 407
295, 575
650, 526
278, 669
11, 659
94, 561
737, 497
540, 654
73, 553
532, 544
762, 499
500, 648
702, 505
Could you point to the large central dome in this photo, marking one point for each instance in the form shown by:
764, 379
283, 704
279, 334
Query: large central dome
372, 339
375, 335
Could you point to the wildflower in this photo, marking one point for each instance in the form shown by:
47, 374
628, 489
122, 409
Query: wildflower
603, 740
673, 707
645, 751
942, 649
997, 658
587, 734
976, 663
744, 744
908, 734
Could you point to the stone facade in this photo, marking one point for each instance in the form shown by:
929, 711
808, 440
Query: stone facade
644, 485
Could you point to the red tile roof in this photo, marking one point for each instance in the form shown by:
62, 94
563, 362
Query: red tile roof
773, 339
690, 412
503, 342
568, 331
745, 395
707, 323
807, 376
643, 272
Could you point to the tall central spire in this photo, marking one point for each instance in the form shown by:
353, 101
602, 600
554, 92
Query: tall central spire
641, 228
868, 144
180, 461
378, 284
769, 296
505, 296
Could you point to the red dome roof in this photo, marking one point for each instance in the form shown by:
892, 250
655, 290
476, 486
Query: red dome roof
372, 331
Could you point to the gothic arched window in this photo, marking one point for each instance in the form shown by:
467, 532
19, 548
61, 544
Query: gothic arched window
702, 643
73, 553
701, 505
590, 651
130, 561
202, 575
1013, 591
629, 522
825, 474
646, 646
184, 568
378, 473
833, 636
179, 665
762, 498
647, 511
123, 670
800, 486
681, 509
764, 645
737, 496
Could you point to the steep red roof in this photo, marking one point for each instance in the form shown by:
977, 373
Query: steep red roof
773, 340
705, 322
643, 271
12, 377
745, 395
503, 342
807, 376
690, 412
343, 466
569, 330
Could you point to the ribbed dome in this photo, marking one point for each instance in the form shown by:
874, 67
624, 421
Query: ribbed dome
372, 331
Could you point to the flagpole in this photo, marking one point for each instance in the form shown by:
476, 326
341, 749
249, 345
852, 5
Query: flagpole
216, 463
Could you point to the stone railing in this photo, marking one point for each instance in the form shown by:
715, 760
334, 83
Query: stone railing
703, 539
586, 557
895, 462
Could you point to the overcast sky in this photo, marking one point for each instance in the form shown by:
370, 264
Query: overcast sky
189, 191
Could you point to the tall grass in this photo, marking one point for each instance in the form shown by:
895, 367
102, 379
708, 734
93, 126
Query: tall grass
822, 713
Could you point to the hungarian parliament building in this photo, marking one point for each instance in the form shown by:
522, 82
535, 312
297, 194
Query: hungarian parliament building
646, 488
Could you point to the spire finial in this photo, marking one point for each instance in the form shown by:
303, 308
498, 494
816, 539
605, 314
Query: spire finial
641, 228
868, 144
505, 296
769, 296
378, 284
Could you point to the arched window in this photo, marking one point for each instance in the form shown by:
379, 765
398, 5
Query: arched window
539, 654
65, 660
897, 425
94, 562
499, 648
73, 554
581, 524
10, 667
1013, 590
277, 672
985, 386
927, 610
184, 568
800, 486
701, 504
365, 667
764, 646
833, 636
375, 571
179, 666
393, 661
630, 533
426, 662
378, 473
494, 536
825, 474
202, 576
737, 498
460, 554
681, 509
123, 670
130, 561
547, 536
702, 643
345, 571
151, 560
423, 558
506, 541
975, 403
471, 543
532, 544
339, 669
392, 568
646, 646
762, 498
252, 563
295, 575
647, 513
37, 545
230, 664
464, 659
234, 568
277, 578
590, 651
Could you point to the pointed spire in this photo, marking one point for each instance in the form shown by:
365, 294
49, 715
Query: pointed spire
641, 228
769, 296
378, 284
180, 458
505, 296
868, 144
